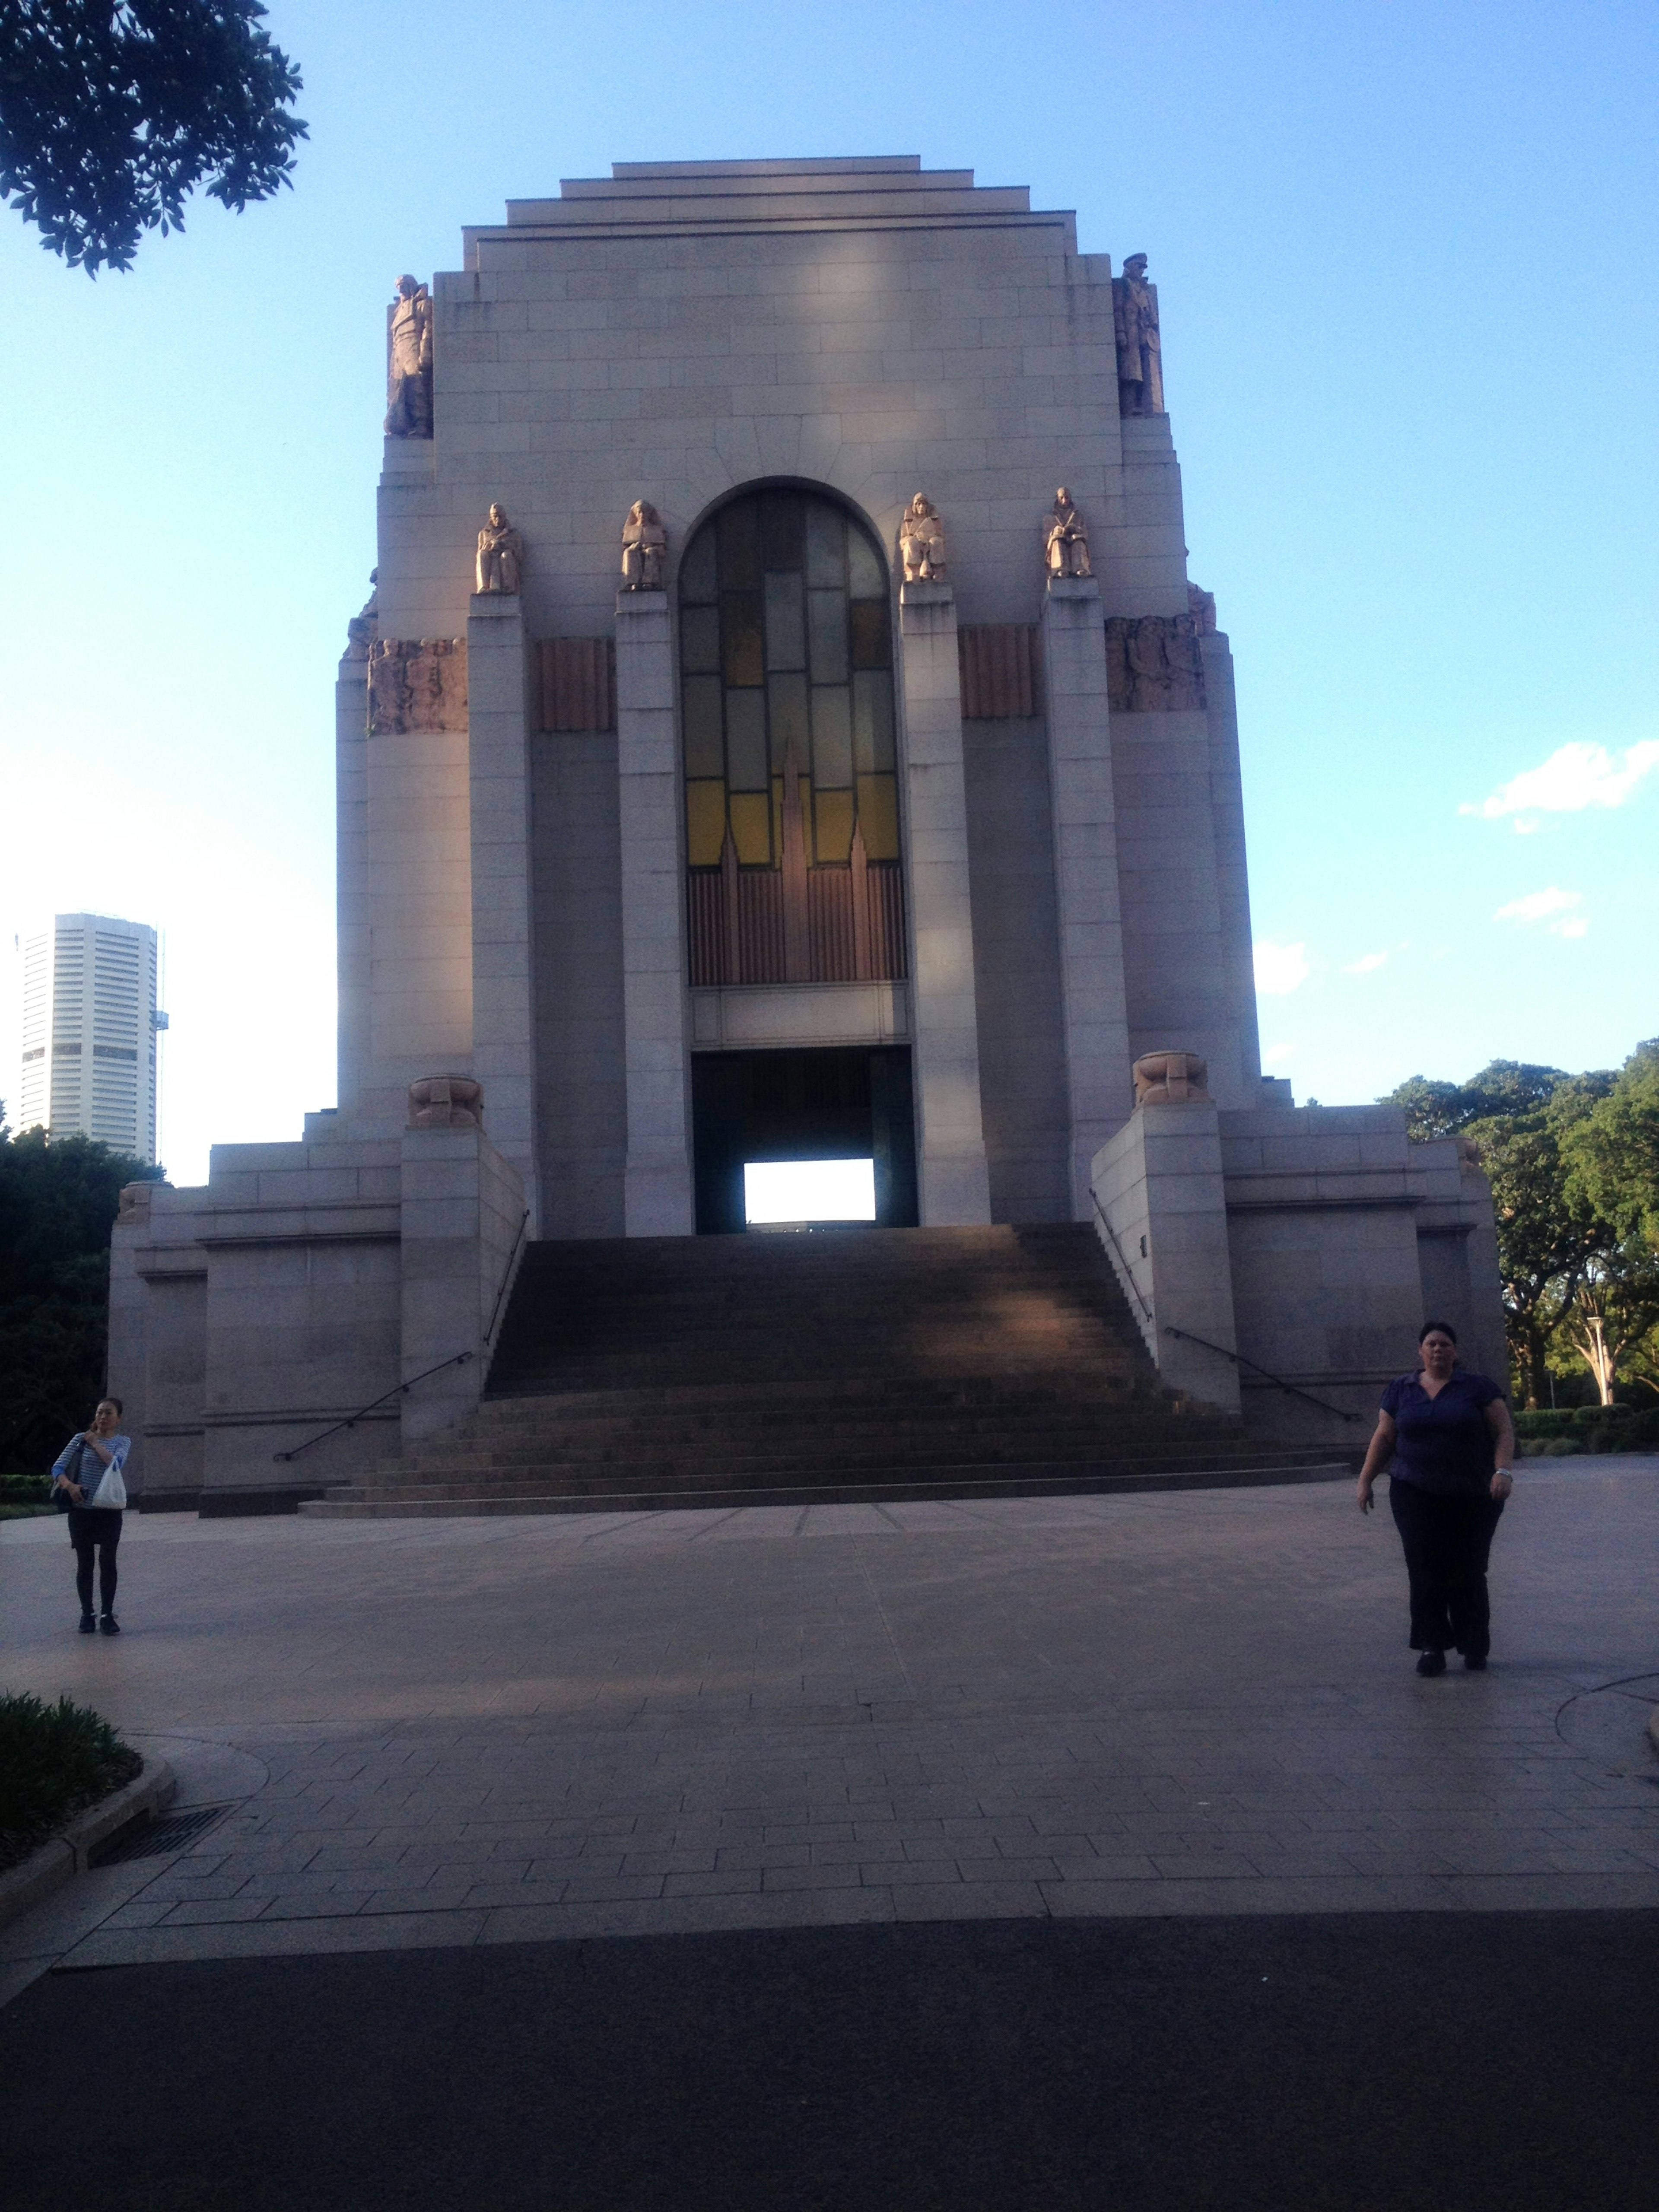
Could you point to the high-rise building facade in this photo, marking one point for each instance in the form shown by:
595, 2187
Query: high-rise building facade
89, 1029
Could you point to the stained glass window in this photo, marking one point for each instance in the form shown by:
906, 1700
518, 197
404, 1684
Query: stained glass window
787, 656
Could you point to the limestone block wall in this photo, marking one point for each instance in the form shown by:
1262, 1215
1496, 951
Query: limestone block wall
1022, 1048
1161, 1215
1343, 1236
582, 1086
300, 1283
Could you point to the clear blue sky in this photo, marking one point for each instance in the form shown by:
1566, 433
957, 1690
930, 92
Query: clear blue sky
1406, 255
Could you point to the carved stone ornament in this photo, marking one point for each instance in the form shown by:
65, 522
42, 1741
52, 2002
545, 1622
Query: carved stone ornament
1140, 348
133, 1204
416, 683
364, 629
644, 548
1066, 539
1200, 605
921, 543
408, 374
1170, 1079
445, 1101
501, 554
1152, 664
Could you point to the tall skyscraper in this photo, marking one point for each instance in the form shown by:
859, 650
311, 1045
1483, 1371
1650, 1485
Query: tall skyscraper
89, 1025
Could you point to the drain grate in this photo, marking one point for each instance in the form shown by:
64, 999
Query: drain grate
156, 1839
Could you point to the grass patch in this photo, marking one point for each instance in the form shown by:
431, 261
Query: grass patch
55, 1760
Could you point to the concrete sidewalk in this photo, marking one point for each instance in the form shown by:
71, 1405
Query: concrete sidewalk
450, 1733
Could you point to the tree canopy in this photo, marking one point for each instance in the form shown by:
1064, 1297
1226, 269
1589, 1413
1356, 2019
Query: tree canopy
111, 114
58, 1198
1573, 1161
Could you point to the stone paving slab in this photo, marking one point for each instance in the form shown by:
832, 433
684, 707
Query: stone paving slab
493, 1731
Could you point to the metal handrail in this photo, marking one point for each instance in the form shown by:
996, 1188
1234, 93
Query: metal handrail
1128, 1271
507, 1277
455, 1359
1239, 1360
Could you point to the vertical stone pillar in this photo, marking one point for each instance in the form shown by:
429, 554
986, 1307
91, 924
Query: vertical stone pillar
954, 1184
503, 982
657, 1189
351, 910
1094, 1007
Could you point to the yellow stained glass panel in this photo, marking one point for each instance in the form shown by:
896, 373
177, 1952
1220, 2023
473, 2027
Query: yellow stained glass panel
832, 813
751, 828
878, 816
705, 822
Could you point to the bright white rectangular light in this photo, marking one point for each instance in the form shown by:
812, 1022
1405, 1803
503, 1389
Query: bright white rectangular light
809, 1190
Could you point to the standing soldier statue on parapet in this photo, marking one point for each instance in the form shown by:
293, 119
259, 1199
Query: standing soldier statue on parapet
501, 554
409, 378
644, 548
1066, 539
1140, 349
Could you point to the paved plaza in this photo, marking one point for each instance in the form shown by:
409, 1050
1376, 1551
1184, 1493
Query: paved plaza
501, 1731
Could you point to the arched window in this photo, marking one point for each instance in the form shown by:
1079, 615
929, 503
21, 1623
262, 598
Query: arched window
790, 773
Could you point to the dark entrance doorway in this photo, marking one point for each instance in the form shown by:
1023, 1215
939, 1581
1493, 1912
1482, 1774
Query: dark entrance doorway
818, 1105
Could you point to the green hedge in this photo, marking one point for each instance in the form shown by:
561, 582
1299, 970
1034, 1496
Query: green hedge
54, 1760
1565, 1431
20, 1495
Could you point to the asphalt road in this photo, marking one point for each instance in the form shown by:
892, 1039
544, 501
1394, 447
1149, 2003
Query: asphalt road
1363, 2062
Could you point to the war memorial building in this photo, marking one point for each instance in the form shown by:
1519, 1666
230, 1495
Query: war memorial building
783, 730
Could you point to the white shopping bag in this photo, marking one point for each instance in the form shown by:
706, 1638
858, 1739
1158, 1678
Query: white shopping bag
112, 1491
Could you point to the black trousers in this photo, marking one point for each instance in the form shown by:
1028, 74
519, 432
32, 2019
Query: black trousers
1447, 1541
95, 1528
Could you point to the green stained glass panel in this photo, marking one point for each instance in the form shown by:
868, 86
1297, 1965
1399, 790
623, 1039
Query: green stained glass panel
699, 640
742, 638
785, 620
867, 622
832, 737
746, 765
697, 570
705, 751
865, 577
737, 527
826, 543
872, 721
787, 695
826, 614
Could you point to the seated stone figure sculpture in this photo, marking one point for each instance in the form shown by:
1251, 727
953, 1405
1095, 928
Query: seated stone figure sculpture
501, 554
644, 548
921, 542
1066, 539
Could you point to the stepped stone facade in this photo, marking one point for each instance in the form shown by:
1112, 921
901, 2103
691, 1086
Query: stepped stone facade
783, 724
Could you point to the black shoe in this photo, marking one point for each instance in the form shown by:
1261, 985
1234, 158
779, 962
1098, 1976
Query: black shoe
111, 1626
88, 1624
1474, 1662
1431, 1662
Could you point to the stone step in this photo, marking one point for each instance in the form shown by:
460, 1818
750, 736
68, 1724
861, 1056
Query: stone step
897, 1486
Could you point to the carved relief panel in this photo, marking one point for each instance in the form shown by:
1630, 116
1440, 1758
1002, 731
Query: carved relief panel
416, 683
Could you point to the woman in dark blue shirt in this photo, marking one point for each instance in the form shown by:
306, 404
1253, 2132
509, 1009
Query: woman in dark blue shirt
1453, 1444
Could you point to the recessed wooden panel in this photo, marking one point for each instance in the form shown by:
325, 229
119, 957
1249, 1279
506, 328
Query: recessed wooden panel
1001, 665
578, 684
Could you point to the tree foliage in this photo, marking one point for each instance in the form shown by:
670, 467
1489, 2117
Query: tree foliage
1573, 1161
111, 114
58, 1198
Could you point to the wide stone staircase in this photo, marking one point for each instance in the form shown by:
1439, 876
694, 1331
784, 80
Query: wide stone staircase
815, 1368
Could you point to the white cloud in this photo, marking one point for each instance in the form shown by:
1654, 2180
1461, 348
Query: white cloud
1554, 907
1574, 776
1274, 1055
1280, 969
1367, 963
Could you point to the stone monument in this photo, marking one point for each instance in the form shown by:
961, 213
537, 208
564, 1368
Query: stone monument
921, 543
501, 554
1139, 347
409, 386
644, 548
